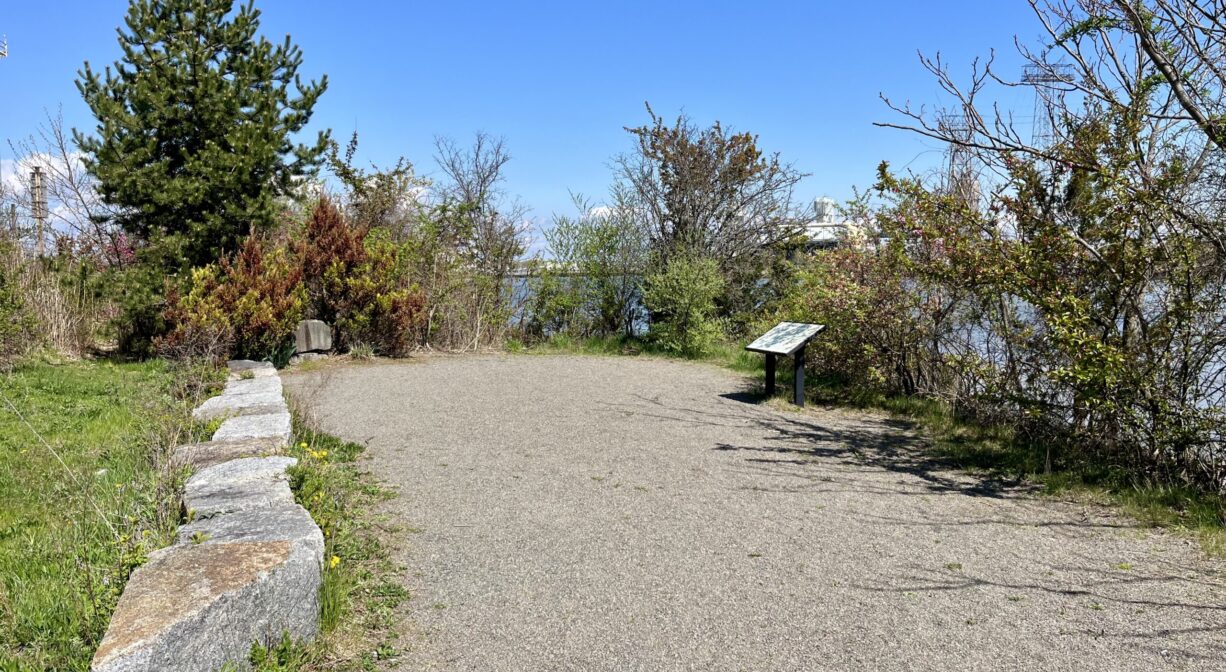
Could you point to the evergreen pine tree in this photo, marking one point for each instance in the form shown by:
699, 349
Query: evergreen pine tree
195, 124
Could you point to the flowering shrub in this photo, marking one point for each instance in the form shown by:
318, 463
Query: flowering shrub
873, 336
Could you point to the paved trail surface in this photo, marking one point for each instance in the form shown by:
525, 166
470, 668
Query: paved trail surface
619, 514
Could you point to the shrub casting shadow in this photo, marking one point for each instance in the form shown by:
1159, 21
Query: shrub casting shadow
881, 443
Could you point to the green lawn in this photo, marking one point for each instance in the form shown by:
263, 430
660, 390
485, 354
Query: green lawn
84, 495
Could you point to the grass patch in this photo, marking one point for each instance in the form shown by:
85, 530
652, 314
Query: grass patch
361, 351
361, 586
85, 495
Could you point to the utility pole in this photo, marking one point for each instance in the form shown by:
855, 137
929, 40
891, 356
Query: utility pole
38, 206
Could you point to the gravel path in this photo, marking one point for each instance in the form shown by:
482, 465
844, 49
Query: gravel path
585, 513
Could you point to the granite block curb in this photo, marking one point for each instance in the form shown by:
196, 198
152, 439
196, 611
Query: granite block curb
246, 567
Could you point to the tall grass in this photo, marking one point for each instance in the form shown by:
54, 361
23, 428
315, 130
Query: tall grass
58, 294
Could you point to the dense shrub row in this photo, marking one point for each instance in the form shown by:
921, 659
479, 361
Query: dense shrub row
249, 306
1113, 357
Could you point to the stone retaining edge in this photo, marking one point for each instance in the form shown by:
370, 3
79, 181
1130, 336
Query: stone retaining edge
248, 564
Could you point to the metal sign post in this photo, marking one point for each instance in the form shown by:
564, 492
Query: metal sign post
787, 339
798, 377
770, 374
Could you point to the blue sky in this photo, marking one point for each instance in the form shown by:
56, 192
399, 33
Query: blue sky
560, 80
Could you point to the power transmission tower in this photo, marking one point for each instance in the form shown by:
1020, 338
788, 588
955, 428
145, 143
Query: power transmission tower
959, 160
4, 47
1048, 97
38, 206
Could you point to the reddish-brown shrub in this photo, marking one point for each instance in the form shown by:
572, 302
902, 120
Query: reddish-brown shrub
247, 306
328, 251
355, 281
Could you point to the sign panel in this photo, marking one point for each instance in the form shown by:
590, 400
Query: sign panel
785, 338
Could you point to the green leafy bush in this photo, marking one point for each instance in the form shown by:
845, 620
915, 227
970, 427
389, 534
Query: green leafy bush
596, 286
381, 311
877, 336
139, 290
681, 299
469, 306
554, 304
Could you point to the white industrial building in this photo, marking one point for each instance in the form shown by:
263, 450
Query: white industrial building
829, 228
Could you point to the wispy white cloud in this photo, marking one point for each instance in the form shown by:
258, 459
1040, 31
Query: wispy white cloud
9, 180
15, 173
71, 198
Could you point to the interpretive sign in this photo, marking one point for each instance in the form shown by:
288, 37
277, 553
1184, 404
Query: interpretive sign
787, 338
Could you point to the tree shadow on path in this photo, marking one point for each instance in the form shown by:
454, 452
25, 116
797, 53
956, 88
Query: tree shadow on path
836, 451
866, 441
